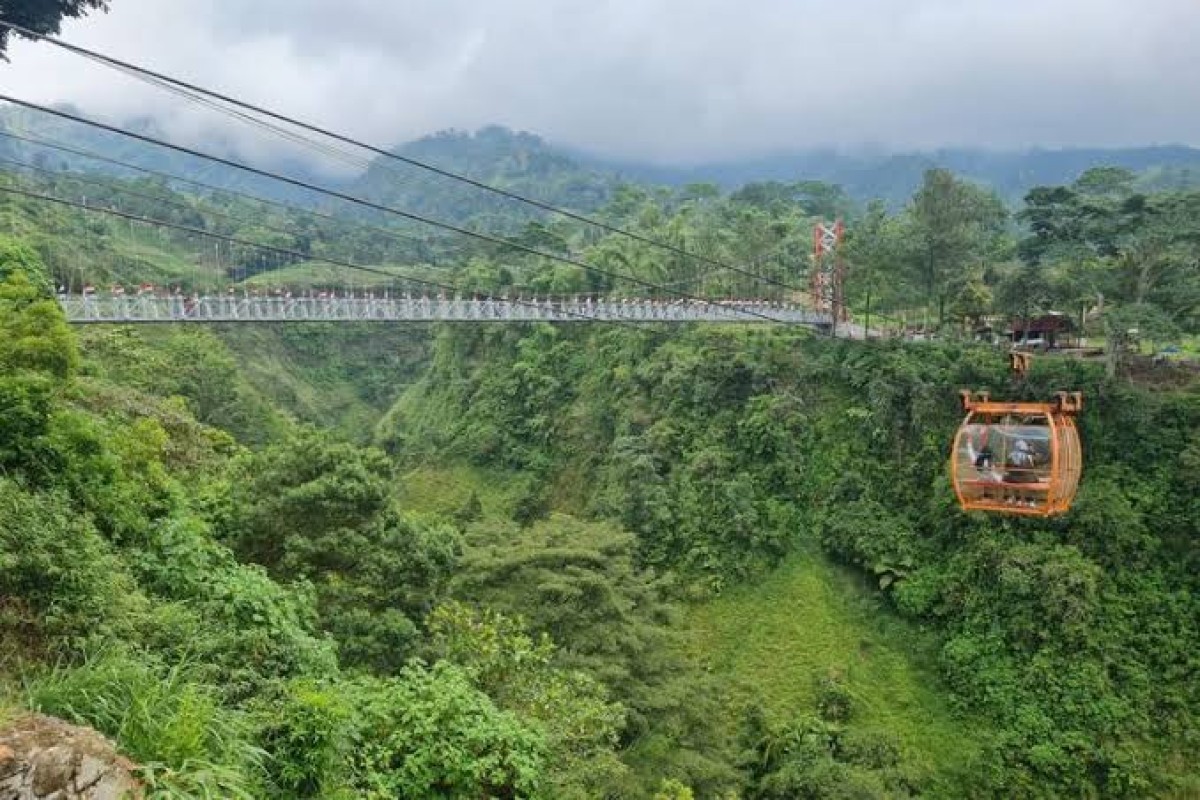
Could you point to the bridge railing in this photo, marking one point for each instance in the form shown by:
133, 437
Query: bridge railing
84, 309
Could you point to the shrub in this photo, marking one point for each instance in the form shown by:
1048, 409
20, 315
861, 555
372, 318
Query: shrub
61, 585
172, 724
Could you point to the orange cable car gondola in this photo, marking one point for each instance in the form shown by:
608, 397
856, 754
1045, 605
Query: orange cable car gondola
1017, 458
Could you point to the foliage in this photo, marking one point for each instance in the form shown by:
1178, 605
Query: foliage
518, 162
188, 743
570, 708
809, 758
954, 224
430, 733
44, 16
193, 365
577, 583
297, 587
61, 584
1037, 618
321, 511
33, 335
307, 727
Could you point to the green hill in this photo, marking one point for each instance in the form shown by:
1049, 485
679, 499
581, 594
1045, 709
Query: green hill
517, 162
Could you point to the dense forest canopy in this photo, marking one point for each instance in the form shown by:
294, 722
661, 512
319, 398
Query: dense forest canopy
596, 561
540, 561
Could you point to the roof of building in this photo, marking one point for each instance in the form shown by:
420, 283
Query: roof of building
1047, 323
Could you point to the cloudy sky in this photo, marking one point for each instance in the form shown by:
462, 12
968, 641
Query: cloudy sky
671, 81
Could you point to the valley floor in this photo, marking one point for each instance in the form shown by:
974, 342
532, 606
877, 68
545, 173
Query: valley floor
809, 619
774, 639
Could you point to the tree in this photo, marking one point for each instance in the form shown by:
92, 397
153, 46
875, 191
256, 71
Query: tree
820, 199
1098, 239
955, 225
33, 332
569, 708
321, 511
43, 16
1126, 325
874, 245
429, 733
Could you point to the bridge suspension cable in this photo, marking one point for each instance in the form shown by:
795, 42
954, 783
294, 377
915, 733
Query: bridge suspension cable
167, 176
288, 207
213, 99
486, 237
211, 187
444, 287
120, 189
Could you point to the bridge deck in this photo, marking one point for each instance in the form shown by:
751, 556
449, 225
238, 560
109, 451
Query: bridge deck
84, 309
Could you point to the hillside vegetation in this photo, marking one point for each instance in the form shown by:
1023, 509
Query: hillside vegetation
527, 164
724, 452
596, 561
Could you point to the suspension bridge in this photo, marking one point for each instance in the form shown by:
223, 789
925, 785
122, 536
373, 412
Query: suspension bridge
665, 305
350, 308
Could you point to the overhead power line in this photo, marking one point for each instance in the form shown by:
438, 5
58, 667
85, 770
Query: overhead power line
99, 183
485, 237
207, 96
286, 251
155, 198
167, 176
391, 233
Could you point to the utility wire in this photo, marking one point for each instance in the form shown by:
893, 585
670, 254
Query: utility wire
159, 79
100, 183
486, 237
141, 195
47, 143
84, 178
269, 247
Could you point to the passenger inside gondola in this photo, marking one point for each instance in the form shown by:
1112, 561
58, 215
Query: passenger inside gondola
1009, 458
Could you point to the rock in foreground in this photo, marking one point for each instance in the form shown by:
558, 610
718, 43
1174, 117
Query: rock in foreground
42, 758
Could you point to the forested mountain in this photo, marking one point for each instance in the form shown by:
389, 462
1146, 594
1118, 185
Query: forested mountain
518, 162
43, 127
580, 561
528, 165
893, 177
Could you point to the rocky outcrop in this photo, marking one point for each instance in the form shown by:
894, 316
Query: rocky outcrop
42, 758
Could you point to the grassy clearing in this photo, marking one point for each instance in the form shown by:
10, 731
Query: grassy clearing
446, 489
808, 619
317, 273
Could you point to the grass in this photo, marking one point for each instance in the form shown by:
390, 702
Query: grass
9, 708
446, 489
189, 745
808, 619
317, 273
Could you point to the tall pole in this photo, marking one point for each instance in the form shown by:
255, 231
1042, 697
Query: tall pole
829, 271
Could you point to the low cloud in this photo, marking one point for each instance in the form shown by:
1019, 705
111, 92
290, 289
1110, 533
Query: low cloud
656, 80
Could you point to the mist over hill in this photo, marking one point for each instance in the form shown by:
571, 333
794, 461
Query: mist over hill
893, 177
527, 164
